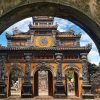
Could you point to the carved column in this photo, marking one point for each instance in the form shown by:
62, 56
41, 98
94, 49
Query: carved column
32, 37
59, 88
26, 91
54, 37
86, 86
2, 77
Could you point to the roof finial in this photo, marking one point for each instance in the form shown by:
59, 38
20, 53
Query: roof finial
16, 30
71, 30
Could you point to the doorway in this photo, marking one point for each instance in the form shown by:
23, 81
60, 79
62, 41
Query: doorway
15, 82
71, 80
43, 83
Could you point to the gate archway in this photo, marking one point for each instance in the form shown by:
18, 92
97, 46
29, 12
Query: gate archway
15, 76
47, 80
72, 80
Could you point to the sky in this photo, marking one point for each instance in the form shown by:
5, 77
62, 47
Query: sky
63, 25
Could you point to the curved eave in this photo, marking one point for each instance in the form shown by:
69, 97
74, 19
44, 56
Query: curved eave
14, 38
70, 37
43, 27
35, 18
81, 49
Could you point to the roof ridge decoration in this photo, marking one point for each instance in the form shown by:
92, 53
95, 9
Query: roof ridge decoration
16, 30
70, 32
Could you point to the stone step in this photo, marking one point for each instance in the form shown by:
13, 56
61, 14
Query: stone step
45, 98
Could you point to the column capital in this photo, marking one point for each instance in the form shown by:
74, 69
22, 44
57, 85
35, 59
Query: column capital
54, 31
27, 57
3, 55
27, 54
84, 56
58, 56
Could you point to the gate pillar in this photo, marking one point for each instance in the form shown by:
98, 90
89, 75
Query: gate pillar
59, 87
3, 93
26, 91
86, 87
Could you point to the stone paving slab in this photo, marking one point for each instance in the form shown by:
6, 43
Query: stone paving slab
44, 98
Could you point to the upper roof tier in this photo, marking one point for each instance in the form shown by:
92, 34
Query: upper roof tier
43, 18
25, 35
68, 34
43, 22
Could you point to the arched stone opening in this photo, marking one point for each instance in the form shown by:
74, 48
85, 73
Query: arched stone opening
72, 83
43, 80
52, 9
15, 80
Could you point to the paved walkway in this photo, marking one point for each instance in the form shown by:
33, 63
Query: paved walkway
45, 98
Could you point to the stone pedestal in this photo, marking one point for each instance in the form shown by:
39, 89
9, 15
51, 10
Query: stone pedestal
87, 92
60, 90
59, 87
86, 87
2, 89
27, 90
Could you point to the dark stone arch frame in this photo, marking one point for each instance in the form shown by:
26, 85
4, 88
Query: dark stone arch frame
46, 66
18, 67
73, 67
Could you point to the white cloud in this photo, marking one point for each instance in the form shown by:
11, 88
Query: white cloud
94, 57
86, 39
61, 30
22, 25
63, 25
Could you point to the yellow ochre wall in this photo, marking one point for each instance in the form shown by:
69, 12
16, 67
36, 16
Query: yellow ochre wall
54, 69
38, 39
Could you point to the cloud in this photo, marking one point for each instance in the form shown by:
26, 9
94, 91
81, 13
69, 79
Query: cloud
94, 57
86, 39
63, 25
22, 25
